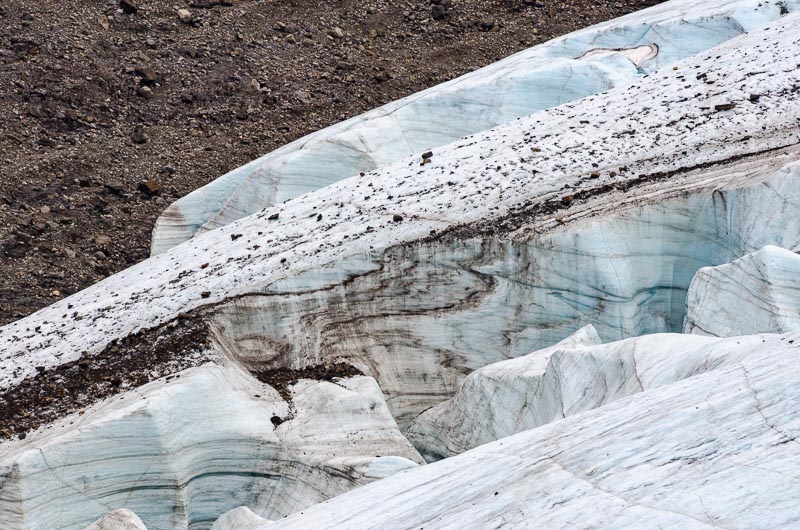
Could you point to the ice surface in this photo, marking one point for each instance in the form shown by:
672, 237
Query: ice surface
573, 376
758, 293
715, 450
118, 520
180, 453
241, 518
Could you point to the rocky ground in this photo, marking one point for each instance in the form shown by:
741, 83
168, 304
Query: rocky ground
108, 112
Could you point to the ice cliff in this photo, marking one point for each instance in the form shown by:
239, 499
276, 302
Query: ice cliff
288, 356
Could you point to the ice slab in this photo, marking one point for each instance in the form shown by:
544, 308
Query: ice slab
757, 293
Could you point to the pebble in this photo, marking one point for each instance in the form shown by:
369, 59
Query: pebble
138, 135
128, 7
150, 187
185, 16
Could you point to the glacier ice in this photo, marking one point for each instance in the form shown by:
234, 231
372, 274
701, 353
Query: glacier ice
716, 450
241, 518
577, 65
121, 519
598, 212
757, 293
175, 454
573, 376
646, 212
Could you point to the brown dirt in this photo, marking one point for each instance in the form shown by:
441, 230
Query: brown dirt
129, 363
282, 378
95, 102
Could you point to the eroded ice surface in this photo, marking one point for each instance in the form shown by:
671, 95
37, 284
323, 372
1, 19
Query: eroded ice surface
716, 450
573, 376
121, 519
582, 63
757, 293
241, 518
180, 453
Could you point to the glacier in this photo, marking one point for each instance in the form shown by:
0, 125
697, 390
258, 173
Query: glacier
716, 450
573, 376
757, 293
300, 350
173, 453
565, 69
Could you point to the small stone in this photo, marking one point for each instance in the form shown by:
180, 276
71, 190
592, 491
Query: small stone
145, 92
205, 294
128, 7
566, 200
486, 25
438, 12
138, 135
147, 74
150, 187
44, 209
234, 237
185, 16
382, 76
427, 154
273, 217
397, 218
114, 186
724, 106
102, 240
337, 33
70, 254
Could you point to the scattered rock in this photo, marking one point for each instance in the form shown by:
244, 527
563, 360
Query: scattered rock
185, 16
337, 33
397, 218
486, 24
102, 240
147, 74
138, 135
150, 187
114, 186
128, 7
145, 92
